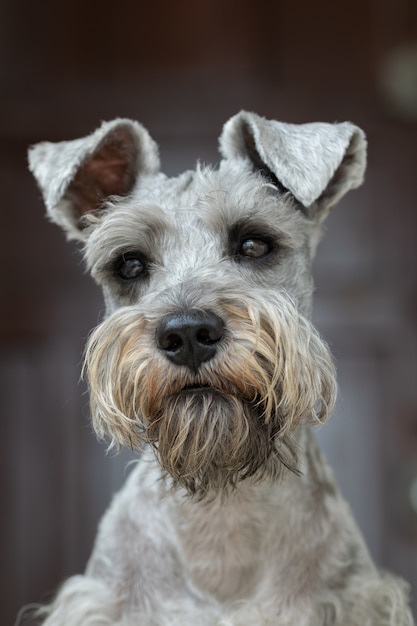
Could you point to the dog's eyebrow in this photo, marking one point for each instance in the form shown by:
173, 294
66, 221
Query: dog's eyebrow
253, 227
124, 229
260, 212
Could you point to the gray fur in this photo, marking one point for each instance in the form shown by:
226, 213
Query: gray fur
231, 517
317, 162
56, 165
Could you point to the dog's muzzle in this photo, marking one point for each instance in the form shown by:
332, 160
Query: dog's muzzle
219, 401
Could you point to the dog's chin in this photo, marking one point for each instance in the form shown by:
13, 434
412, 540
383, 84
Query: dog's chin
208, 441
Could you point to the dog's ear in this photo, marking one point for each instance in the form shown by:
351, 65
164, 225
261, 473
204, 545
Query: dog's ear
76, 177
318, 163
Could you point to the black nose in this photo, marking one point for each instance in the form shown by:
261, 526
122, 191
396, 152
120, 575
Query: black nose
190, 337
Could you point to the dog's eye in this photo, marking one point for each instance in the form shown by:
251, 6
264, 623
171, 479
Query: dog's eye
254, 248
129, 267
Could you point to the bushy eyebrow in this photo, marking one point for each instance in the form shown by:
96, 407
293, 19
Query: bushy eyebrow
126, 228
259, 211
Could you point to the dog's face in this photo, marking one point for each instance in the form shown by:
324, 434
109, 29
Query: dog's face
206, 351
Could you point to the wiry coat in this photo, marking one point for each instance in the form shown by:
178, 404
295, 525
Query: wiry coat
231, 517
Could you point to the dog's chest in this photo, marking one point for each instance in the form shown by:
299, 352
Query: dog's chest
223, 544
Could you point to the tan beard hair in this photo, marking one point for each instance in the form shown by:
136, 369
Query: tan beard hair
235, 418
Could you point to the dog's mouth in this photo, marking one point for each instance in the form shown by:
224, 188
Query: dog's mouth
198, 388
206, 388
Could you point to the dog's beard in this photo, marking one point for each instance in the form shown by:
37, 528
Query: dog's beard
208, 440
235, 417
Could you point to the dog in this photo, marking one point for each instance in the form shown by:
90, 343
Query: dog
208, 364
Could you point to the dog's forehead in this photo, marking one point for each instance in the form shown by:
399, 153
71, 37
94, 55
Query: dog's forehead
217, 197
190, 218
163, 190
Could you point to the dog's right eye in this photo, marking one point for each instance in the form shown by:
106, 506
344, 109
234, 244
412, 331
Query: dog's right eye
129, 267
254, 248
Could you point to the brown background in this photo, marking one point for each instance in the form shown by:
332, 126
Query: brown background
182, 68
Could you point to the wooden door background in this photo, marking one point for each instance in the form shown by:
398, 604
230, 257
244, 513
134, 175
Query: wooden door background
182, 69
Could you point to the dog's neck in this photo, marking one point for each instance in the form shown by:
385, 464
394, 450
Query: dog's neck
225, 540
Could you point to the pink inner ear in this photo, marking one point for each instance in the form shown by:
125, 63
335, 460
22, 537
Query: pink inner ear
109, 171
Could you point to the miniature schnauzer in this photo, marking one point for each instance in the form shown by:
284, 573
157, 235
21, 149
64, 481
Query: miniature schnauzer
207, 362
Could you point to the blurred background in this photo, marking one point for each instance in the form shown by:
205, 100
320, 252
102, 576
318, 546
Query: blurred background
182, 69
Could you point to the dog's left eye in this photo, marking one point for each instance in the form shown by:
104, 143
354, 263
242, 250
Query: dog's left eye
130, 267
254, 248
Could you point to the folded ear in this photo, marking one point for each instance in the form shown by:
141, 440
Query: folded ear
318, 163
76, 177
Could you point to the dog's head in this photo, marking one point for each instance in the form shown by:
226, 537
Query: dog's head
207, 351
